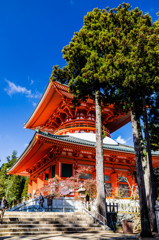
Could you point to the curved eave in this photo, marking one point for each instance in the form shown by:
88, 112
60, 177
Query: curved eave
118, 123
31, 120
15, 167
46, 106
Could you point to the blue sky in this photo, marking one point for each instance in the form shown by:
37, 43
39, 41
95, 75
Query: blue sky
32, 35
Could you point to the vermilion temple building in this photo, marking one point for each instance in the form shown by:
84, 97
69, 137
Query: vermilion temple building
64, 140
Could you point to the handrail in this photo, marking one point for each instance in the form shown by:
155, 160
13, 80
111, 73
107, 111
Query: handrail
97, 216
25, 203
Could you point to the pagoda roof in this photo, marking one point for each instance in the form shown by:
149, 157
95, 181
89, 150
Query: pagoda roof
42, 143
53, 96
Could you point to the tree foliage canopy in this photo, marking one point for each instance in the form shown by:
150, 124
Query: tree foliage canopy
11, 186
115, 55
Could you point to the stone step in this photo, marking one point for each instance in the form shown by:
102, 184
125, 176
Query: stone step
45, 229
16, 225
45, 233
47, 225
55, 220
44, 221
46, 213
46, 216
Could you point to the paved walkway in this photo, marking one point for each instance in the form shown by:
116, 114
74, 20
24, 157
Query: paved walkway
78, 236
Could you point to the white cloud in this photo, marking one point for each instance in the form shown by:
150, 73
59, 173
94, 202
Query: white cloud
34, 104
120, 140
31, 82
128, 139
35, 95
12, 88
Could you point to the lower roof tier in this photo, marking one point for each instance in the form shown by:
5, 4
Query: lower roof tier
45, 147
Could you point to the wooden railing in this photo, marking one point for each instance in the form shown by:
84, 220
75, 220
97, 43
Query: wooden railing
108, 221
89, 209
126, 206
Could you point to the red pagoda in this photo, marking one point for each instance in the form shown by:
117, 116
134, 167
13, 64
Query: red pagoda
64, 140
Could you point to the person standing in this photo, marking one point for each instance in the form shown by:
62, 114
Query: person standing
49, 203
41, 202
4, 203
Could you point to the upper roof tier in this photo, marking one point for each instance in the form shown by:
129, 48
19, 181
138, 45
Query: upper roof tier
55, 113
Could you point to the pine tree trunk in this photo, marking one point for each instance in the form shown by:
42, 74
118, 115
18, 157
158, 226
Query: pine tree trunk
145, 224
101, 196
149, 174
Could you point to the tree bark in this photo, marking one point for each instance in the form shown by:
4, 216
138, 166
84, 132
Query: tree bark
101, 196
145, 223
149, 174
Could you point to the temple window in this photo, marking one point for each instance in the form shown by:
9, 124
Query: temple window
53, 171
107, 178
124, 190
91, 116
122, 179
86, 176
77, 116
123, 187
66, 170
46, 177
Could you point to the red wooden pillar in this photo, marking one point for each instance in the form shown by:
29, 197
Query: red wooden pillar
40, 182
114, 183
57, 169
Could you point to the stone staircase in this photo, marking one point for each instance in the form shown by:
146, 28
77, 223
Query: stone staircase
34, 223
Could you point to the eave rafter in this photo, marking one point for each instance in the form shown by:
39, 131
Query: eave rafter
56, 118
59, 115
89, 109
119, 159
67, 104
44, 161
108, 116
